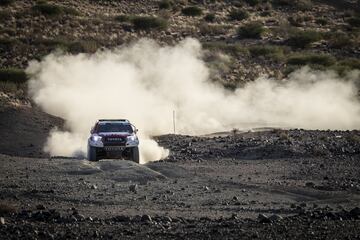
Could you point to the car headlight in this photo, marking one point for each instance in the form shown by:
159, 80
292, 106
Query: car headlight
131, 138
96, 138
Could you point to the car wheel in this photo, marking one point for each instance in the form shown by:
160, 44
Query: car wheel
92, 155
135, 157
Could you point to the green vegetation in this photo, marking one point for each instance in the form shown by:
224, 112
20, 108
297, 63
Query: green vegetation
74, 47
321, 21
268, 51
210, 17
253, 2
251, 30
214, 29
311, 59
238, 15
49, 9
341, 40
149, 23
192, 11
13, 75
123, 18
165, 4
82, 47
231, 49
346, 65
303, 39
302, 5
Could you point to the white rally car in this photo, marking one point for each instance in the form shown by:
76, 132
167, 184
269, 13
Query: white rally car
113, 138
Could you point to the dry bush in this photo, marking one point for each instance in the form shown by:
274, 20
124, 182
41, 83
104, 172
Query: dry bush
303, 39
311, 59
214, 29
251, 30
13, 75
268, 51
238, 15
149, 23
192, 11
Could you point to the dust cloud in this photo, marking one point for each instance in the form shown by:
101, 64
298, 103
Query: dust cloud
145, 83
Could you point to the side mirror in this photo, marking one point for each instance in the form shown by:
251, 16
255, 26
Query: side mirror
92, 130
136, 130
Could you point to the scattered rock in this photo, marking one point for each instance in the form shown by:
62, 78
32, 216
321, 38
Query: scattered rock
275, 218
133, 188
146, 218
40, 207
263, 218
2, 220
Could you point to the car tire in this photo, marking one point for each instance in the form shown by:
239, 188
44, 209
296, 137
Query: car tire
92, 154
134, 154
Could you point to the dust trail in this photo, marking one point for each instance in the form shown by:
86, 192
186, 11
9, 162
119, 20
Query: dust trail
145, 83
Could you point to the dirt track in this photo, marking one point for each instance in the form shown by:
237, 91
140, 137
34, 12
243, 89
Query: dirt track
198, 191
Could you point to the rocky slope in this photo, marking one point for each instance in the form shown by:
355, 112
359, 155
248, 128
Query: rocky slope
30, 30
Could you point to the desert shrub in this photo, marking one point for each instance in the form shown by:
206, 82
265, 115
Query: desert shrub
8, 87
266, 13
282, 2
214, 29
192, 11
149, 23
13, 75
49, 9
252, 2
311, 59
5, 15
81, 47
165, 4
231, 49
210, 17
69, 10
302, 39
354, 22
302, 5
238, 15
251, 30
6, 2
350, 63
339, 40
321, 21
123, 18
267, 51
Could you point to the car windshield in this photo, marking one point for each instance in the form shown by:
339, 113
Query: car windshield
114, 127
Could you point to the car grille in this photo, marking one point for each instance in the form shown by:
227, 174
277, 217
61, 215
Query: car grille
114, 141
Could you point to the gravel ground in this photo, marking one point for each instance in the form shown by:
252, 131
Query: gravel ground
276, 184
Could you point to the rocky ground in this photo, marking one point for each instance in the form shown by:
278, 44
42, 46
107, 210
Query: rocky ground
268, 184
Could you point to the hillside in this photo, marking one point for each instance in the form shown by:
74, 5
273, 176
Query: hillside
271, 37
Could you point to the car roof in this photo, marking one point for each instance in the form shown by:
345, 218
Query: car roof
114, 121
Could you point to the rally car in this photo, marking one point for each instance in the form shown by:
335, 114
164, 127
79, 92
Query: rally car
113, 138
